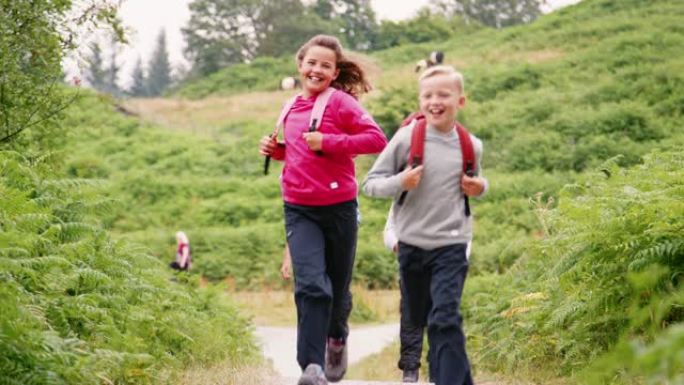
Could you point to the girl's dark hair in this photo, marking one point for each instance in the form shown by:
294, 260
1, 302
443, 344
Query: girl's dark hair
352, 78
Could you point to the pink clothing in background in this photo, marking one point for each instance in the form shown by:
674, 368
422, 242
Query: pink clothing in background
179, 256
321, 180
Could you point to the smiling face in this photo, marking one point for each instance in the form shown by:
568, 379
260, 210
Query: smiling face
440, 98
317, 70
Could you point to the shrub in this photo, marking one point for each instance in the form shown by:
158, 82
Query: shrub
79, 308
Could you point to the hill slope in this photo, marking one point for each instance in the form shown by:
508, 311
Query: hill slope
554, 101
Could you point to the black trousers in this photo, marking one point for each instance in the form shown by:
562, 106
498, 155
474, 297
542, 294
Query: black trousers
410, 337
322, 241
432, 285
174, 265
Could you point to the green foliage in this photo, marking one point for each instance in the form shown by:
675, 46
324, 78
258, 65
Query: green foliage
35, 36
79, 308
605, 278
30, 55
495, 13
356, 20
226, 32
391, 107
261, 74
424, 27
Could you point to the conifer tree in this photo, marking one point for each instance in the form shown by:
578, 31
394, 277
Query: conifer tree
159, 69
95, 74
139, 87
112, 72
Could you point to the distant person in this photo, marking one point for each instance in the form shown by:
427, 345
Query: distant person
289, 83
433, 236
435, 58
410, 335
183, 257
319, 191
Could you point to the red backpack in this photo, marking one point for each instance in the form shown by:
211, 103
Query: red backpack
417, 150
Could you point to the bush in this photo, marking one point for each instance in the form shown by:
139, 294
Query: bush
611, 255
79, 308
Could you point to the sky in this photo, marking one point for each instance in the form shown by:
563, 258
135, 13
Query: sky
144, 19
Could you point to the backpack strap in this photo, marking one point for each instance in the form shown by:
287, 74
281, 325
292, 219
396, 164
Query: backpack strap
417, 149
316, 114
314, 123
319, 108
280, 123
417, 143
413, 116
467, 151
468, 155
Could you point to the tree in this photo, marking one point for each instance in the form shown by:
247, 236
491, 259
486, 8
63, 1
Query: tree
219, 33
358, 23
282, 26
159, 69
424, 27
494, 13
100, 75
95, 74
34, 35
139, 86
354, 20
225, 32
112, 71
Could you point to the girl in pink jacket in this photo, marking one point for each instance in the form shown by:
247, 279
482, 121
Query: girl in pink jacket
319, 191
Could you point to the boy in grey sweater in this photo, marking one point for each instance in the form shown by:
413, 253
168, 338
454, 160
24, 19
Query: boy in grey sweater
431, 224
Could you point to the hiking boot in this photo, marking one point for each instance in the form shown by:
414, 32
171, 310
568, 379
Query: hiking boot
410, 375
335, 359
313, 375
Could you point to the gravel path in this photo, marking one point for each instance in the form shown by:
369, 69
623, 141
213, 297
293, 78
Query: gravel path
279, 345
293, 381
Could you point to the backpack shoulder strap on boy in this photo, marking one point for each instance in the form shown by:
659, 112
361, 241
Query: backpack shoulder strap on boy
417, 149
314, 122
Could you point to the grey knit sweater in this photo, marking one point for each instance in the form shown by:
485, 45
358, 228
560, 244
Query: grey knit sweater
433, 214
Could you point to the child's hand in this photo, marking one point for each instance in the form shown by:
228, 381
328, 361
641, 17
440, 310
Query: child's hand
286, 270
286, 267
314, 140
267, 145
410, 177
472, 186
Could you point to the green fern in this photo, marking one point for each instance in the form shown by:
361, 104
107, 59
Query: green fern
663, 252
81, 309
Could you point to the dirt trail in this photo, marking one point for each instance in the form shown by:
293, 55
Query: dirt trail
279, 345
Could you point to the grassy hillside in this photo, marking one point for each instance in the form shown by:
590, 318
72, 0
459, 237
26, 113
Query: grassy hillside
262, 74
579, 94
550, 100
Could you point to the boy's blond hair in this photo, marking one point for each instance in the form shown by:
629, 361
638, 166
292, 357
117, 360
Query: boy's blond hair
444, 70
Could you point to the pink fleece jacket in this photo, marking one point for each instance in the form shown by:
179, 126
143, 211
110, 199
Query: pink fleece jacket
320, 180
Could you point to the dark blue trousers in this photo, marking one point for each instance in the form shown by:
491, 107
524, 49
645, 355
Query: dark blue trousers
432, 283
410, 337
322, 241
